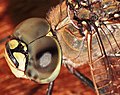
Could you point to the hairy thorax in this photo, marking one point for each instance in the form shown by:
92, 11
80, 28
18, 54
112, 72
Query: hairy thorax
66, 20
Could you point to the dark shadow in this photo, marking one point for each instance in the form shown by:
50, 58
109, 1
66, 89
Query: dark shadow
19, 10
34, 90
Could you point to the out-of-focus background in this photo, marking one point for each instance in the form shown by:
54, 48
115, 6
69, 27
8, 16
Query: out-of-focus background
13, 12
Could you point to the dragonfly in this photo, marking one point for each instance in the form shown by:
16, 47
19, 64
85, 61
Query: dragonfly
27, 61
89, 32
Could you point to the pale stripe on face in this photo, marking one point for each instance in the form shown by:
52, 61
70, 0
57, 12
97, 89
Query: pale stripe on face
21, 59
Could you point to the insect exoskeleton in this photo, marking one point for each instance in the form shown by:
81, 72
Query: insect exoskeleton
33, 51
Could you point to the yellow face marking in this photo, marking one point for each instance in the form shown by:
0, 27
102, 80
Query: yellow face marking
21, 60
15, 71
25, 47
13, 44
49, 34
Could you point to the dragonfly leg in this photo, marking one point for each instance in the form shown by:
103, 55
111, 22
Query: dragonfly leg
50, 88
80, 76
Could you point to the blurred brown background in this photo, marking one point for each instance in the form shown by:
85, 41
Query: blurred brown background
13, 12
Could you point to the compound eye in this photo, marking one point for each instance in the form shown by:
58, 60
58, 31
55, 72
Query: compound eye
31, 29
45, 60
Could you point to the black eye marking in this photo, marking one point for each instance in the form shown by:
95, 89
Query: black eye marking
10, 54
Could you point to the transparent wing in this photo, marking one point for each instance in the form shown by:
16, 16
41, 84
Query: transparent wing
73, 46
105, 59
